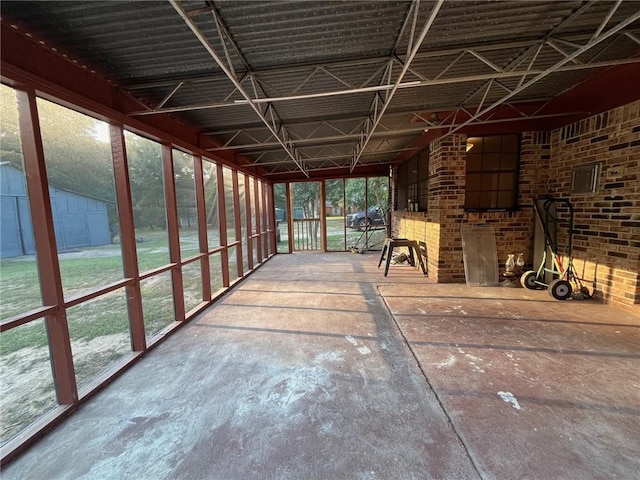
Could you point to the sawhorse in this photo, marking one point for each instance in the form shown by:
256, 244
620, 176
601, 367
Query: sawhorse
391, 243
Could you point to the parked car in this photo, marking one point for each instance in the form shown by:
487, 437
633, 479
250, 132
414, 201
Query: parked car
374, 217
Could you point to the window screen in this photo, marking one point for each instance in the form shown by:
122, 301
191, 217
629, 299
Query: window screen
492, 172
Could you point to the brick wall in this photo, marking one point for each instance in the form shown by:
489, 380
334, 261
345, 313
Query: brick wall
515, 230
607, 223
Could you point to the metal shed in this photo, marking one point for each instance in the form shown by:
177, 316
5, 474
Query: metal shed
79, 220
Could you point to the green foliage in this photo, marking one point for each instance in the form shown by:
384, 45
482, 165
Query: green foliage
75, 159
334, 193
147, 181
307, 196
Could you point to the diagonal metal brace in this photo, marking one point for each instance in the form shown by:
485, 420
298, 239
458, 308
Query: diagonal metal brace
377, 109
280, 135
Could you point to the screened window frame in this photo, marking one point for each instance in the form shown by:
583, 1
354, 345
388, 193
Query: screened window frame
413, 182
495, 174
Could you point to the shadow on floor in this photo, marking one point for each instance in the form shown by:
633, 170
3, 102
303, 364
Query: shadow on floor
319, 367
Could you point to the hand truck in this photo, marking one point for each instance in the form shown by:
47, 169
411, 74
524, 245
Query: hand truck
554, 214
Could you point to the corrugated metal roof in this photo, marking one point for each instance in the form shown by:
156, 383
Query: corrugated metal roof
322, 64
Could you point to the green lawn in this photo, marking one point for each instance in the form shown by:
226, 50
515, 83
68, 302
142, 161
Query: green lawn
336, 234
91, 268
98, 328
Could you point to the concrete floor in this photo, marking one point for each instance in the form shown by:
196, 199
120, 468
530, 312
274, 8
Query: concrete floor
319, 367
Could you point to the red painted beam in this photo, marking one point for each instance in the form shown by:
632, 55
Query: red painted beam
361, 170
27, 62
607, 89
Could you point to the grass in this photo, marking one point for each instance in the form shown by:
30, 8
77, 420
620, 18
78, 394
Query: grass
99, 328
336, 235
91, 268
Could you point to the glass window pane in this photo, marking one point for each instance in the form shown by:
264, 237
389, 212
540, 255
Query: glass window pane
510, 143
489, 181
215, 269
233, 264
19, 281
377, 211
423, 165
184, 177
83, 202
500, 167
99, 331
157, 303
335, 221
229, 204
192, 284
509, 161
474, 162
491, 144
507, 181
472, 199
147, 195
506, 199
491, 161
25, 376
211, 203
474, 144
474, 182
487, 200
243, 220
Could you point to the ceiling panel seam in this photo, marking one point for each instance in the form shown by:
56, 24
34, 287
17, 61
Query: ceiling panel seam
593, 42
280, 135
412, 50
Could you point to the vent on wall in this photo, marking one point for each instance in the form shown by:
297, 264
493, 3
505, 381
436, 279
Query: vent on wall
585, 178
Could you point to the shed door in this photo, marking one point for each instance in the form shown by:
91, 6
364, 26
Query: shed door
10, 244
24, 211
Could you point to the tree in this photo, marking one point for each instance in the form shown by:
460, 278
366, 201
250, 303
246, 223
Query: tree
334, 191
76, 158
147, 182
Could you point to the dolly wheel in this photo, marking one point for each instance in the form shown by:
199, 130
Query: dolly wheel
528, 280
560, 289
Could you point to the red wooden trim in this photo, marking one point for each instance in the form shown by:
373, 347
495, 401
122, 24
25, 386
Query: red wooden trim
247, 201
83, 297
31, 315
222, 226
174, 234
323, 218
156, 271
257, 215
265, 226
272, 218
289, 215
217, 249
26, 61
238, 220
202, 227
46, 248
127, 236
33, 432
194, 259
